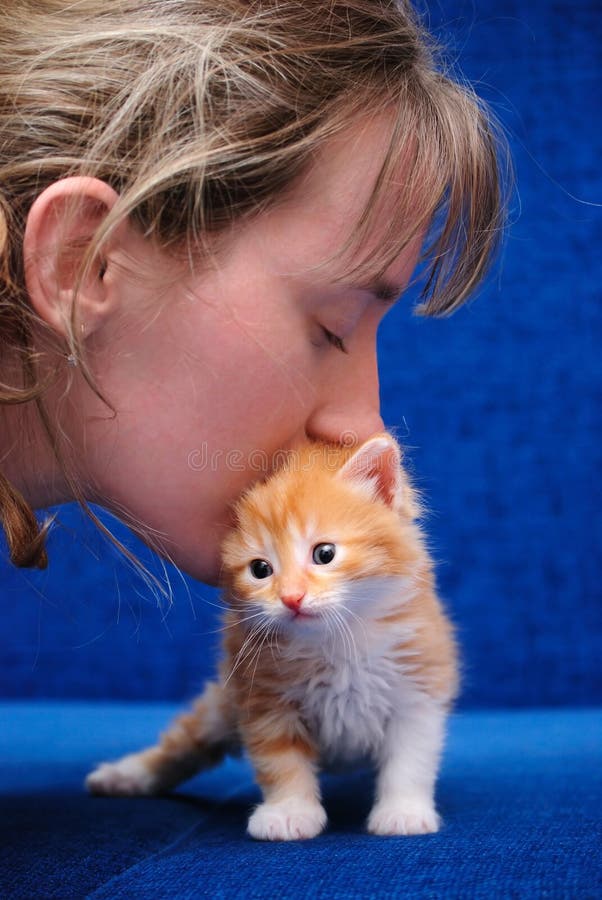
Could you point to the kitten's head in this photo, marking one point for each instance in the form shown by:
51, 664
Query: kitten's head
323, 535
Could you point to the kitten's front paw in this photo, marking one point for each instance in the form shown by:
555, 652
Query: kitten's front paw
294, 820
129, 777
411, 816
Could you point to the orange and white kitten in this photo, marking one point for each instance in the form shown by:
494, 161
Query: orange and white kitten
337, 650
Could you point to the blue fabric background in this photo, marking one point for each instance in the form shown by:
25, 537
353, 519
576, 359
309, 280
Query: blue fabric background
500, 408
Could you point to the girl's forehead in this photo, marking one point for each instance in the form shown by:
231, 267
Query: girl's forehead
336, 187
313, 226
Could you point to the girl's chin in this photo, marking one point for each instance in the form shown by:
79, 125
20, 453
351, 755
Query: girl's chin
203, 566
209, 573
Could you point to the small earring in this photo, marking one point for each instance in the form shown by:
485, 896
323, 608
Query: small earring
72, 358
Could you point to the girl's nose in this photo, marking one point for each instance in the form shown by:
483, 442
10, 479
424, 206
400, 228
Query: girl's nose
348, 407
342, 427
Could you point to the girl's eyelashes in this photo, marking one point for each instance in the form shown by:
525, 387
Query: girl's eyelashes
335, 340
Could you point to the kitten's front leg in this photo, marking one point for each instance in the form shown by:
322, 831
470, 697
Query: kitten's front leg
285, 767
408, 767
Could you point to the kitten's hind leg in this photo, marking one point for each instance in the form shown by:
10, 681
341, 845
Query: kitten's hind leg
195, 741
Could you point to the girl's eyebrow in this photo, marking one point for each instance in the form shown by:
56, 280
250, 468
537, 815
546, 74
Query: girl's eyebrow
387, 292
383, 290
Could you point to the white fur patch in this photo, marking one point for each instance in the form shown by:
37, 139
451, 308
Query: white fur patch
126, 778
358, 683
293, 819
413, 816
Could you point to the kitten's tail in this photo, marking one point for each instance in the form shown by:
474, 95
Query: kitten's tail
196, 740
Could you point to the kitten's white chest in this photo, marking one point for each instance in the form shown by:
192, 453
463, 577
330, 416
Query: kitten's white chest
348, 707
348, 700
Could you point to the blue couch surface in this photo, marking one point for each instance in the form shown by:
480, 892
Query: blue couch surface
520, 794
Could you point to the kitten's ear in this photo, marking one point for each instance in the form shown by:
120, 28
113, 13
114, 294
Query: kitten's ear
376, 468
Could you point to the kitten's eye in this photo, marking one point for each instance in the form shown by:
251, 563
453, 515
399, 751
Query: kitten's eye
323, 554
260, 568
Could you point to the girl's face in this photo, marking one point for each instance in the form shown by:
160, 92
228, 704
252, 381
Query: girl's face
211, 374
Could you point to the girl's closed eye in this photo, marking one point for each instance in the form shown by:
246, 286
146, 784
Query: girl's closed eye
339, 316
335, 340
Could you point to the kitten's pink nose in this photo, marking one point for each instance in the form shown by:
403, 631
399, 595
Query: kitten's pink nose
293, 601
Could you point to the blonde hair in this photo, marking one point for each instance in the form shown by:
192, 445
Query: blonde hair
200, 113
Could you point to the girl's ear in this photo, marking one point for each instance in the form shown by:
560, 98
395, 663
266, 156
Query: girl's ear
375, 467
60, 226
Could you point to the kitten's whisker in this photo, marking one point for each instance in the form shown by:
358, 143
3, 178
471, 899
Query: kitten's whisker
336, 632
253, 655
275, 636
348, 637
349, 633
257, 656
241, 621
251, 634
358, 619
239, 604
331, 620
331, 634
253, 651
207, 602
343, 637
246, 648
226, 627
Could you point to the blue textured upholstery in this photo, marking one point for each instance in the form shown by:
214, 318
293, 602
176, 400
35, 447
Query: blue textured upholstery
501, 411
519, 794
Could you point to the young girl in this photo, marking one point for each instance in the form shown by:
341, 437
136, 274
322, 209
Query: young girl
206, 208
